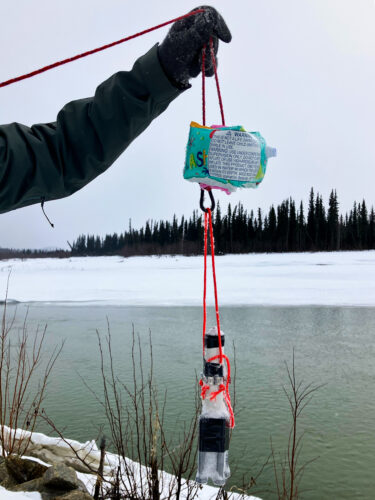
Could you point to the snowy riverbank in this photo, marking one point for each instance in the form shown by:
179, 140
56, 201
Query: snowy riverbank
62, 452
337, 278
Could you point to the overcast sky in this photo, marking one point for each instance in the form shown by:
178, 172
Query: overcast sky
302, 72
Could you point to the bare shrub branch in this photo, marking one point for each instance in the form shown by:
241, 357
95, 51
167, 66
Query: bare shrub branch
23, 381
288, 473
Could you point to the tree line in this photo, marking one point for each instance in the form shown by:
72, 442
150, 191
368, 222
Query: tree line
284, 228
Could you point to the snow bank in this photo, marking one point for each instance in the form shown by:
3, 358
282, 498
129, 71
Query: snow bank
91, 454
337, 278
16, 495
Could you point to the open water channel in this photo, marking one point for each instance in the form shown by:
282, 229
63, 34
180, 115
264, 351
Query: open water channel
334, 346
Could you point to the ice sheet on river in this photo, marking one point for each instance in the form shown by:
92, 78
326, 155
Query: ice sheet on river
327, 278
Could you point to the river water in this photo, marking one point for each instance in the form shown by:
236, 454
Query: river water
333, 346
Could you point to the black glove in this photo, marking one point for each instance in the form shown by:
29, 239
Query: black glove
180, 53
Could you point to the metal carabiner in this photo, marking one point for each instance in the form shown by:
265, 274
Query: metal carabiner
201, 201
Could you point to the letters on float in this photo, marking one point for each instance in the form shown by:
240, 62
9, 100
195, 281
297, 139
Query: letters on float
199, 161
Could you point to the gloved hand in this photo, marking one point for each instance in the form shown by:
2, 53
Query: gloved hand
180, 53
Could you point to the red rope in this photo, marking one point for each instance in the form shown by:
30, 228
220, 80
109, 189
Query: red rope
205, 282
212, 243
204, 390
216, 393
220, 356
226, 392
208, 212
204, 86
213, 58
217, 81
94, 51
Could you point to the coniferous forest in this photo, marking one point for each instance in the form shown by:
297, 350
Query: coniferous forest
285, 228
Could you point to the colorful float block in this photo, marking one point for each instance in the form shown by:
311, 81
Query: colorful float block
226, 157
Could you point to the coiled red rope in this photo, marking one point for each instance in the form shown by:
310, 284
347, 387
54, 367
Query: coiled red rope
94, 51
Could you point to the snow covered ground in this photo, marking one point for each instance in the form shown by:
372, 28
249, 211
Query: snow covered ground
337, 278
91, 455
12, 495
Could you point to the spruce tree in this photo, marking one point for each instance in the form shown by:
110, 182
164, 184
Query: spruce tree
293, 227
218, 229
363, 225
251, 230
148, 234
272, 226
355, 227
98, 246
371, 230
333, 222
174, 237
229, 234
321, 224
301, 229
311, 223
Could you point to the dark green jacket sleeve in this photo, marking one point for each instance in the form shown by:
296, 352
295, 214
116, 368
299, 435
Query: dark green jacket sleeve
51, 161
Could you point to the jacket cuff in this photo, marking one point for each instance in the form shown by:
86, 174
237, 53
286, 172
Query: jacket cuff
160, 86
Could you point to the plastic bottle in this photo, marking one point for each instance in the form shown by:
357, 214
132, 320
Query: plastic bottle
213, 423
